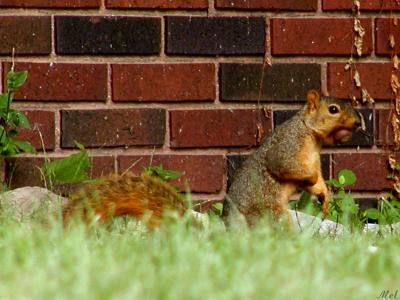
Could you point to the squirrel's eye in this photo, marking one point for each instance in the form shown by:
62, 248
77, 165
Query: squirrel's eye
333, 109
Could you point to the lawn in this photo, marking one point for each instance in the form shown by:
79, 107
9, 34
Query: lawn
179, 261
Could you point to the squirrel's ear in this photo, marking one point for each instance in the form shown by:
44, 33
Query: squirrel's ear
313, 100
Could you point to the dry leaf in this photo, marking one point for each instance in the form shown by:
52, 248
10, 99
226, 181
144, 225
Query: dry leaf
259, 134
394, 83
268, 61
354, 101
267, 113
397, 104
396, 186
347, 66
358, 39
357, 5
366, 97
392, 42
396, 130
395, 21
395, 60
392, 161
357, 79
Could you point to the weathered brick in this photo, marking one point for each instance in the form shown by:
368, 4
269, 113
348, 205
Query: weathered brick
358, 139
25, 171
375, 78
107, 35
42, 127
282, 82
157, 4
113, 127
378, 5
384, 129
101, 166
235, 161
62, 82
27, 34
370, 168
203, 173
51, 3
216, 128
384, 27
163, 82
319, 36
300, 5
215, 35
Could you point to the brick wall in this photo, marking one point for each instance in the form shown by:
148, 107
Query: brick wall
176, 82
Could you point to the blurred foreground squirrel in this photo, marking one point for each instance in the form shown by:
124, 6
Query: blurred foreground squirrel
288, 160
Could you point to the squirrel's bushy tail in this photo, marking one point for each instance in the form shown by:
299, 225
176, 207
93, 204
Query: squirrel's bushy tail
138, 196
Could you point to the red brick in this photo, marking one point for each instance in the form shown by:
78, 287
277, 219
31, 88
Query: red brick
102, 166
203, 173
216, 128
383, 29
163, 82
42, 122
25, 171
113, 127
300, 5
158, 4
384, 129
370, 168
51, 3
62, 82
365, 5
27, 34
319, 36
375, 77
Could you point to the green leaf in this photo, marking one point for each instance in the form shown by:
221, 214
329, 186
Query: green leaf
19, 119
16, 79
372, 213
334, 182
25, 146
159, 171
348, 205
12, 133
342, 180
71, 169
218, 207
348, 176
9, 148
305, 199
3, 100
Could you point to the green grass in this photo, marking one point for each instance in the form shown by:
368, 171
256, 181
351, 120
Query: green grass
183, 262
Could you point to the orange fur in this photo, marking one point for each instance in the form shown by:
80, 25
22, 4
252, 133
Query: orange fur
128, 194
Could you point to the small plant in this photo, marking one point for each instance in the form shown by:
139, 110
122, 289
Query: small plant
159, 171
72, 169
11, 120
343, 208
388, 211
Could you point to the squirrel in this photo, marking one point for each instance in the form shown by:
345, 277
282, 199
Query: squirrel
287, 160
141, 196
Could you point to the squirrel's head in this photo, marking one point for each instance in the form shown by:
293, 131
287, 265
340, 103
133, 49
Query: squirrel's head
332, 120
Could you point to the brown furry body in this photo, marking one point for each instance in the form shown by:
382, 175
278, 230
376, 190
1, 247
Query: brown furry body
118, 195
289, 160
